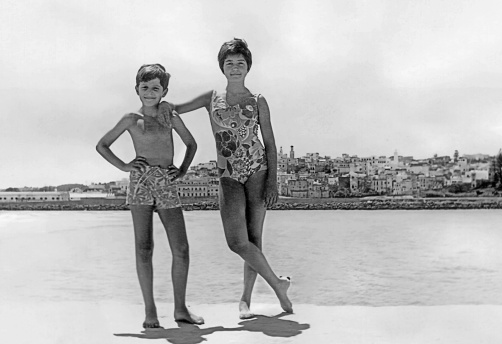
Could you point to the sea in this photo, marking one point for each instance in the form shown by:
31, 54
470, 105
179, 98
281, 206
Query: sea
334, 257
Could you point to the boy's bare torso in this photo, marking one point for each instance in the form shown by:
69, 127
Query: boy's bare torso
151, 140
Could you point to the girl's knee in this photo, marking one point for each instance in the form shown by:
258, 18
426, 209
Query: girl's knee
238, 247
257, 241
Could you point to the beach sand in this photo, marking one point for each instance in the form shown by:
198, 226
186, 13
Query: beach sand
107, 322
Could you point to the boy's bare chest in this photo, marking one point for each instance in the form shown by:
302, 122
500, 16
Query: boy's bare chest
149, 130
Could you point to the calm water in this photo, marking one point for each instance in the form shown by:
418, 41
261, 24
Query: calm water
378, 258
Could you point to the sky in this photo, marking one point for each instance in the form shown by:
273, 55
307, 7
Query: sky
364, 78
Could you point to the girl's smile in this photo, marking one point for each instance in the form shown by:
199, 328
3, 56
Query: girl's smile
235, 67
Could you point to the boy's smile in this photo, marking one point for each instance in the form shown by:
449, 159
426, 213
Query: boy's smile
150, 92
235, 67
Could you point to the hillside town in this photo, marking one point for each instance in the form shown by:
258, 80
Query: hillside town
316, 176
312, 176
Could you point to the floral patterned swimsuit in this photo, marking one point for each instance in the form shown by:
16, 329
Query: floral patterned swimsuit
235, 129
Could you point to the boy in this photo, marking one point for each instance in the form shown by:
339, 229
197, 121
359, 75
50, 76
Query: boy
151, 187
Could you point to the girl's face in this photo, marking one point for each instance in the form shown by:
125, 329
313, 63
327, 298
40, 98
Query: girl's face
235, 67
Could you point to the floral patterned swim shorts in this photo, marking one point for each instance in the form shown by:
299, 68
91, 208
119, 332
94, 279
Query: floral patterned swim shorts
153, 186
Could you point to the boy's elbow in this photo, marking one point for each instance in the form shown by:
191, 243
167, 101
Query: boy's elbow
100, 147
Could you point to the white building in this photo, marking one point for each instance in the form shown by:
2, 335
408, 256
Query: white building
198, 187
207, 165
76, 196
33, 196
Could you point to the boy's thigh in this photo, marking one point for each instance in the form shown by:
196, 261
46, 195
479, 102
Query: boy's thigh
171, 217
142, 218
174, 224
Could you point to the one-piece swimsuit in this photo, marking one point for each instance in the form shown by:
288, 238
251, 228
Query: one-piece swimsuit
235, 130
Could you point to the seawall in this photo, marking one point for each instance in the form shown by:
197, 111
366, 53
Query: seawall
283, 204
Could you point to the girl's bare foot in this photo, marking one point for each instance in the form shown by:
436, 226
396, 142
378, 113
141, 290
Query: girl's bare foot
282, 294
186, 316
244, 312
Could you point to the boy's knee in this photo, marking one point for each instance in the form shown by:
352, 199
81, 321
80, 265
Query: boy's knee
144, 251
181, 252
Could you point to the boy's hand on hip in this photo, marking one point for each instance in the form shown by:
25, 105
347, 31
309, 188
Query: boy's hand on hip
174, 173
138, 164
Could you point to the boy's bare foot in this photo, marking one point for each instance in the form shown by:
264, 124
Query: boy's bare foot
282, 294
187, 316
151, 322
244, 312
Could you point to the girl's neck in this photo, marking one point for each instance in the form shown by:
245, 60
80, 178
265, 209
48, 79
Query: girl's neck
236, 88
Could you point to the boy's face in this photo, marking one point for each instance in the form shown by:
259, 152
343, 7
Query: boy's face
150, 92
235, 67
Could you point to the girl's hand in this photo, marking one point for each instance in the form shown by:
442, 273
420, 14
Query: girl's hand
164, 108
138, 164
271, 195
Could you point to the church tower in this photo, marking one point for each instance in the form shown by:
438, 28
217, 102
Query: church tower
396, 158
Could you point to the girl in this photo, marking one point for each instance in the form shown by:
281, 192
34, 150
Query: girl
247, 169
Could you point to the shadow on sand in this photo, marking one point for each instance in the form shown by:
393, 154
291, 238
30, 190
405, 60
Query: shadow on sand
192, 334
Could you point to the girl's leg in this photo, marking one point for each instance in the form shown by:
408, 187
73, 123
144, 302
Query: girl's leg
174, 223
143, 236
233, 215
255, 216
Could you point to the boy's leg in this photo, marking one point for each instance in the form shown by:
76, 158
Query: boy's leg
174, 223
233, 215
255, 216
143, 235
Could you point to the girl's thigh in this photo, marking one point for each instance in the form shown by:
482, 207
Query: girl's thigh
233, 209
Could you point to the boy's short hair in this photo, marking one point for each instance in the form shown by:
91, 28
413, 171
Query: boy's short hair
149, 72
234, 47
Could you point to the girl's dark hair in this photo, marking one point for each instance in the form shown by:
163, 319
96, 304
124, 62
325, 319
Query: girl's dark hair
149, 72
234, 47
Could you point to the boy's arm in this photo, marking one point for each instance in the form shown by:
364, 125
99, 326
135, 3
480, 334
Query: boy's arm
267, 134
103, 146
203, 100
189, 142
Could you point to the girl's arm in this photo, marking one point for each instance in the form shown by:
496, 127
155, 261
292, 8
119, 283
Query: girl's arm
267, 134
103, 146
203, 100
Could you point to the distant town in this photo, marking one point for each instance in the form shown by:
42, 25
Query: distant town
315, 176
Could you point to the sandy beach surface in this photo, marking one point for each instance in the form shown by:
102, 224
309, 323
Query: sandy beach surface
107, 322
